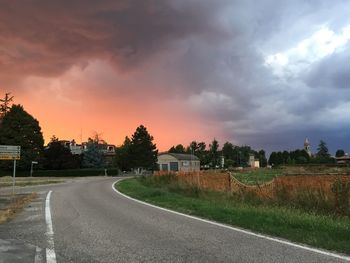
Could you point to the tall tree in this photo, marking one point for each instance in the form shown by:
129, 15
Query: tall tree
5, 104
228, 151
123, 155
143, 152
214, 153
20, 128
322, 154
262, 158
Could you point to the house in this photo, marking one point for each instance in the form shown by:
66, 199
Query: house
343, 159
75, 149
253, 163
178, 162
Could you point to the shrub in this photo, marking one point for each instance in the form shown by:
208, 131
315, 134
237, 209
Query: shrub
341, 191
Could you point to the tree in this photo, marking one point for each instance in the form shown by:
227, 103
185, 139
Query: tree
177, 149
143, 152
57, 156
194, 147
214, 153
228, 151
322, 154
273, 158
20, 128
92, 157
339, 153
5, 104
262, 158
123, 155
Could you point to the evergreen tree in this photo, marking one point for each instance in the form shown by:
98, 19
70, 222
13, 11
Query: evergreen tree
19, 128
228, 151
273, 158
92, 157
323, 155
143, 152
262, 158
123, 155
214, 153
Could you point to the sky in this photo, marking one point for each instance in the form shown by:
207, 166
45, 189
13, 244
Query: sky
260, 73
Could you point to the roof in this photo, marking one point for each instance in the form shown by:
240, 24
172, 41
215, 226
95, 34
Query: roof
182, 156
345, 157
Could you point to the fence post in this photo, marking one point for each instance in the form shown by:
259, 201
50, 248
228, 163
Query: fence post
229, 183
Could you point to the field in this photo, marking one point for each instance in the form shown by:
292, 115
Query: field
327, 194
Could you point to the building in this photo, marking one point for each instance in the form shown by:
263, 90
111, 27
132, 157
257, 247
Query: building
107, 150
76, 149
253, 163
307, 147
343, 159
178, 162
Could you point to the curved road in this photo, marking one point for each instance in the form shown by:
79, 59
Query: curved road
93, 223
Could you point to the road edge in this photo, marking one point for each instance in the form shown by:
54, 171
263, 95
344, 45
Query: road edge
248, 232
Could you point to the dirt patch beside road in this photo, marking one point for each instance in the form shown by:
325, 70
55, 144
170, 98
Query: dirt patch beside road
10, 206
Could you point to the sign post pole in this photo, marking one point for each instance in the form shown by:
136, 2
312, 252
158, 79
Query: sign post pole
11, 152
14, 177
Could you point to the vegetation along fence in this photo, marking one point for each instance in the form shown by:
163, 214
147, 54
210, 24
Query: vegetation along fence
318, 192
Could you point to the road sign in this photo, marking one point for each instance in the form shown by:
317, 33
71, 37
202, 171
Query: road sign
9, 152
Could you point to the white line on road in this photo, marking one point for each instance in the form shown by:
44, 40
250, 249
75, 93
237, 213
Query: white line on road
38, 257
315, 250
50, 251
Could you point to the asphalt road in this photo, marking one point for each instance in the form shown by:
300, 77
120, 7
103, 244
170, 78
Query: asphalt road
92, 223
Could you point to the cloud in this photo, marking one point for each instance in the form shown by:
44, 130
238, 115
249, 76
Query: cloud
265, 73
45, 38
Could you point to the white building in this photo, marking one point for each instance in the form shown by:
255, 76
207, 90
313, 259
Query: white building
178, 162
253, 163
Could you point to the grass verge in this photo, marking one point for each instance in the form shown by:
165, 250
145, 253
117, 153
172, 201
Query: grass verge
15, 206
28, 181
308, 228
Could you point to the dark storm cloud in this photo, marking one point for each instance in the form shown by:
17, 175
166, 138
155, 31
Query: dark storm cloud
332, 73
211, 54
48, 37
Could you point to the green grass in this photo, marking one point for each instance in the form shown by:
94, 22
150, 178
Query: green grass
308, 228
258, 176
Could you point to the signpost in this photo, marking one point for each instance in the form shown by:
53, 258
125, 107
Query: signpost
31, 168
9, 152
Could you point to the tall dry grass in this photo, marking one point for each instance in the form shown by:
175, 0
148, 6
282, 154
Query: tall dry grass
319, 193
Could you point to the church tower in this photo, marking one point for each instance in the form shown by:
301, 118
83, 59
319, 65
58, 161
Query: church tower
307, 146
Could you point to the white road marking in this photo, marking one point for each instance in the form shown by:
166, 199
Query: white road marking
38, 256
50, 251
315, 250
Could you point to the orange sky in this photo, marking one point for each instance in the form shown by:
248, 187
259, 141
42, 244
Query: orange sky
75, 102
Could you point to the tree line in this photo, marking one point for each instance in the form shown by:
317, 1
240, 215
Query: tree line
322, 156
